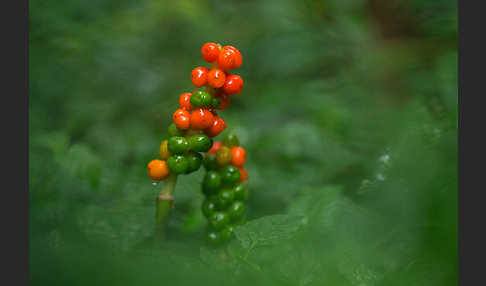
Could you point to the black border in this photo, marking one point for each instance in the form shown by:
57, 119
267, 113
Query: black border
14, 212
471, 47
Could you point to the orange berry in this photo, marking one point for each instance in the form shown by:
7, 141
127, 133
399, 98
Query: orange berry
182, 119
227, 59
233, 84
185, 101
201, 119
216, 78
217, 127
225, 101
214, 148
199, 76
238, 156
243, 174
158, 170
210, 52
238, 57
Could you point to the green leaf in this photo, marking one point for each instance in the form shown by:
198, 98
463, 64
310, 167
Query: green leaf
268, 230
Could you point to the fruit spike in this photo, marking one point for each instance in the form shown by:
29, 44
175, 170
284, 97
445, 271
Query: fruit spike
191, 145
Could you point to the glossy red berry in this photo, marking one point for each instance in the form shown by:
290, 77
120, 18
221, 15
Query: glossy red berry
233, 84
238, 57
227, 59
217, 127
199, 76
201, 119
182, 119
238, 156
185, 101
216, 78
210, 52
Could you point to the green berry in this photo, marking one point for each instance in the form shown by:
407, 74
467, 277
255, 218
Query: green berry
194, 159
225, 198
215, 102
201, 98
200, 142
174, 131
236, 210
241, 192
209, 162
208, 206
211, 183
218, 220
230, 140
227, 232
177, 145
178, 164
213, 238
230, 175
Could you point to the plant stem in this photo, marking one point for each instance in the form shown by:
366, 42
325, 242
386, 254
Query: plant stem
163, 204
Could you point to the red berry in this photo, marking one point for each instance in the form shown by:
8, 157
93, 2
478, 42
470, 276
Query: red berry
201, 119
238, 156
181, 119
233, 84
227, 59
210, 52
185, 101
199, 76
238, 57
216, 78
217, 127
243, 174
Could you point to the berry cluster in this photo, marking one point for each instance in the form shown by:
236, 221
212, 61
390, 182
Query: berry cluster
223, 188
194, 125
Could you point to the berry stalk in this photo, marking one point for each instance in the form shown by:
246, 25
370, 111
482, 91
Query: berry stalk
163, 204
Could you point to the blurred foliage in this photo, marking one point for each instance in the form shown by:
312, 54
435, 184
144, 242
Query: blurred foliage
349, 118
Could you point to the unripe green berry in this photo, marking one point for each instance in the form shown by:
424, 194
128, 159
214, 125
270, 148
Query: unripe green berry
208, 206
218, 220
194, 159
201, 99
213, 238
241, 192
200, 142
230, 140
211, 183
178, 164
236, 210
227, 232
230, 175
225, 198
177, 145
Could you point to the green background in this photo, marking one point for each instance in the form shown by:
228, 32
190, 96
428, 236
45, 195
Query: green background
348, 116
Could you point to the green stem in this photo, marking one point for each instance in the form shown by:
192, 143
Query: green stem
163, 204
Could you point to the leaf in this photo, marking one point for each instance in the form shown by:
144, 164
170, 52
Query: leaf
214, 258
268, 230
